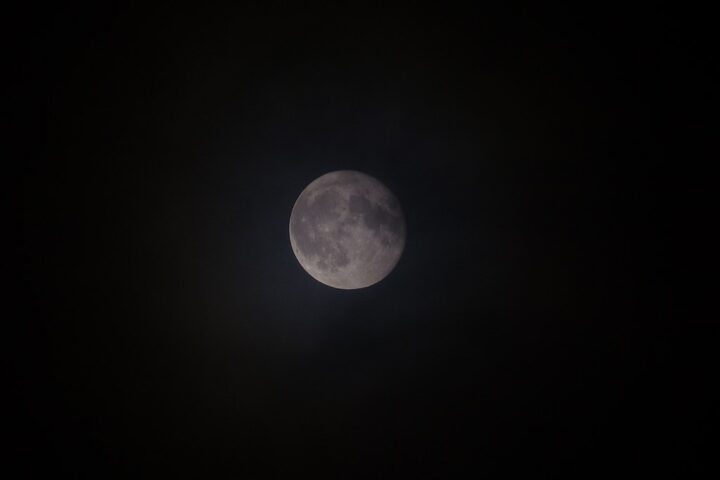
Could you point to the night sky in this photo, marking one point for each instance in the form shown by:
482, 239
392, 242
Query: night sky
532, 325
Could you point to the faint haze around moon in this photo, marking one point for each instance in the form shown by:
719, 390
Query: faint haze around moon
347, 230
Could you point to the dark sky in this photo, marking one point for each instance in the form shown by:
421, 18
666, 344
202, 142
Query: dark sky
532, 325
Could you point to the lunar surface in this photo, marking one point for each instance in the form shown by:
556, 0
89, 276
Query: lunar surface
347, 230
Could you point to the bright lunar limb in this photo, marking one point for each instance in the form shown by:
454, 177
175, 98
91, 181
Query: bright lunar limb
347, 230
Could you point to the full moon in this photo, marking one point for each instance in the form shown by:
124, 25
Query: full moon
347, 230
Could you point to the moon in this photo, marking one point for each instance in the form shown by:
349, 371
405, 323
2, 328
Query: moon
347, 230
